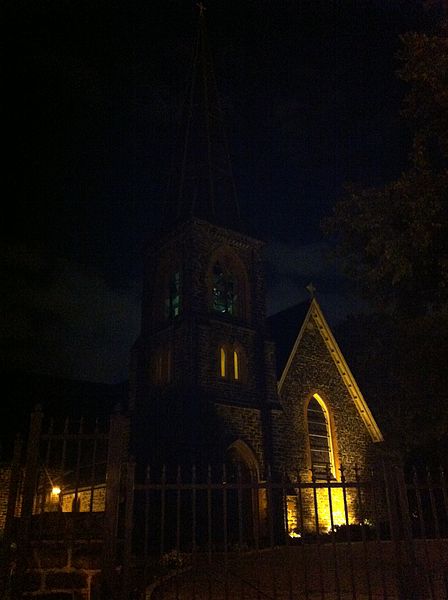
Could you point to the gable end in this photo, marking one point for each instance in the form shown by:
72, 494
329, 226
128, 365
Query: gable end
315, 313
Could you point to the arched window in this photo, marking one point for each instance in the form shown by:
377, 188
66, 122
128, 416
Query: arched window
172, 298
223, 361
225, 292
232, 362
319, 435
228, 284
161, 366
236, 365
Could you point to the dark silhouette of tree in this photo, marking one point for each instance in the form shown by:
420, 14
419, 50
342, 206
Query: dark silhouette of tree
400, 365
394, 242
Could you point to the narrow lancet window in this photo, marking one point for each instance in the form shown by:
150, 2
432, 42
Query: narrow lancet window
232, 363
161, 366
223, 361
172, 299
236, 366
319, 439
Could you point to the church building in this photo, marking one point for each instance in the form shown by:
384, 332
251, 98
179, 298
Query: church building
213, 380
215, 383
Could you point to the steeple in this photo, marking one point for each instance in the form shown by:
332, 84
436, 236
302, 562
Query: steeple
202, 184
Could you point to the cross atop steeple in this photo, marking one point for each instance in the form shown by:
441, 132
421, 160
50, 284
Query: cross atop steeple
202, 184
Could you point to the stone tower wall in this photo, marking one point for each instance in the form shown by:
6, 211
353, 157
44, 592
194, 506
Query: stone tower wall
195, 336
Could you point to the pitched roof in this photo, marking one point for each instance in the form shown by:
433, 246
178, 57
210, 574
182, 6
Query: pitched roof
296, 320
284, 327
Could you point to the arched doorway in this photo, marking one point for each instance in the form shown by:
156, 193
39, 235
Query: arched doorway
242, 471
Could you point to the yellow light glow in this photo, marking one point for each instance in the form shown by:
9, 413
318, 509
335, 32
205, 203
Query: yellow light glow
330, 440
323, 509
223, 362
236, 368
337, 504
56, 491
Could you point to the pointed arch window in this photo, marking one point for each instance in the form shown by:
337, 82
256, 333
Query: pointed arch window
228, 284
236, 365
223, 361
225, 290
161, 366
172, 295
319, 436
232, 364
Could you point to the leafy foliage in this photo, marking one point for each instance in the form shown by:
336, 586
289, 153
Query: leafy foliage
400, 365
394, 242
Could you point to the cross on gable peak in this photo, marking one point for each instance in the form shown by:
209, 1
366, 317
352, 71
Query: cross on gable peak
311, 289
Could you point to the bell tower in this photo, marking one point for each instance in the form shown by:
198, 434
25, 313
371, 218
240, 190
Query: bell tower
203, 374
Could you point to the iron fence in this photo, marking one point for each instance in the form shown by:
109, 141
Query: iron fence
64, 487
372, 536
217, 531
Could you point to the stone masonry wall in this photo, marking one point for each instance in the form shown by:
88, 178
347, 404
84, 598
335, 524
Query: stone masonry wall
59, 571
244, 424
195, 336
5, 474
313, 371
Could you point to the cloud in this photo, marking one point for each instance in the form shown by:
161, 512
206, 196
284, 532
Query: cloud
299, 260
59, 318
291, 267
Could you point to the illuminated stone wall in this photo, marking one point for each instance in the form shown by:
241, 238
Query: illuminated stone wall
59, 570
313, 371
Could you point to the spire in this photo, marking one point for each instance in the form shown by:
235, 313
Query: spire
202, 184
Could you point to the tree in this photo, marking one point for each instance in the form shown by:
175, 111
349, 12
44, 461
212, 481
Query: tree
401, 368
394, 242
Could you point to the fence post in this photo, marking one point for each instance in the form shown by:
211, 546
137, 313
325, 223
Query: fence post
128, 528
29, 489
115, 454
14, 482
411, 580
6, 569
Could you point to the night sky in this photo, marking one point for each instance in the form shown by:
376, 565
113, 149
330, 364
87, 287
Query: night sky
93, 91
